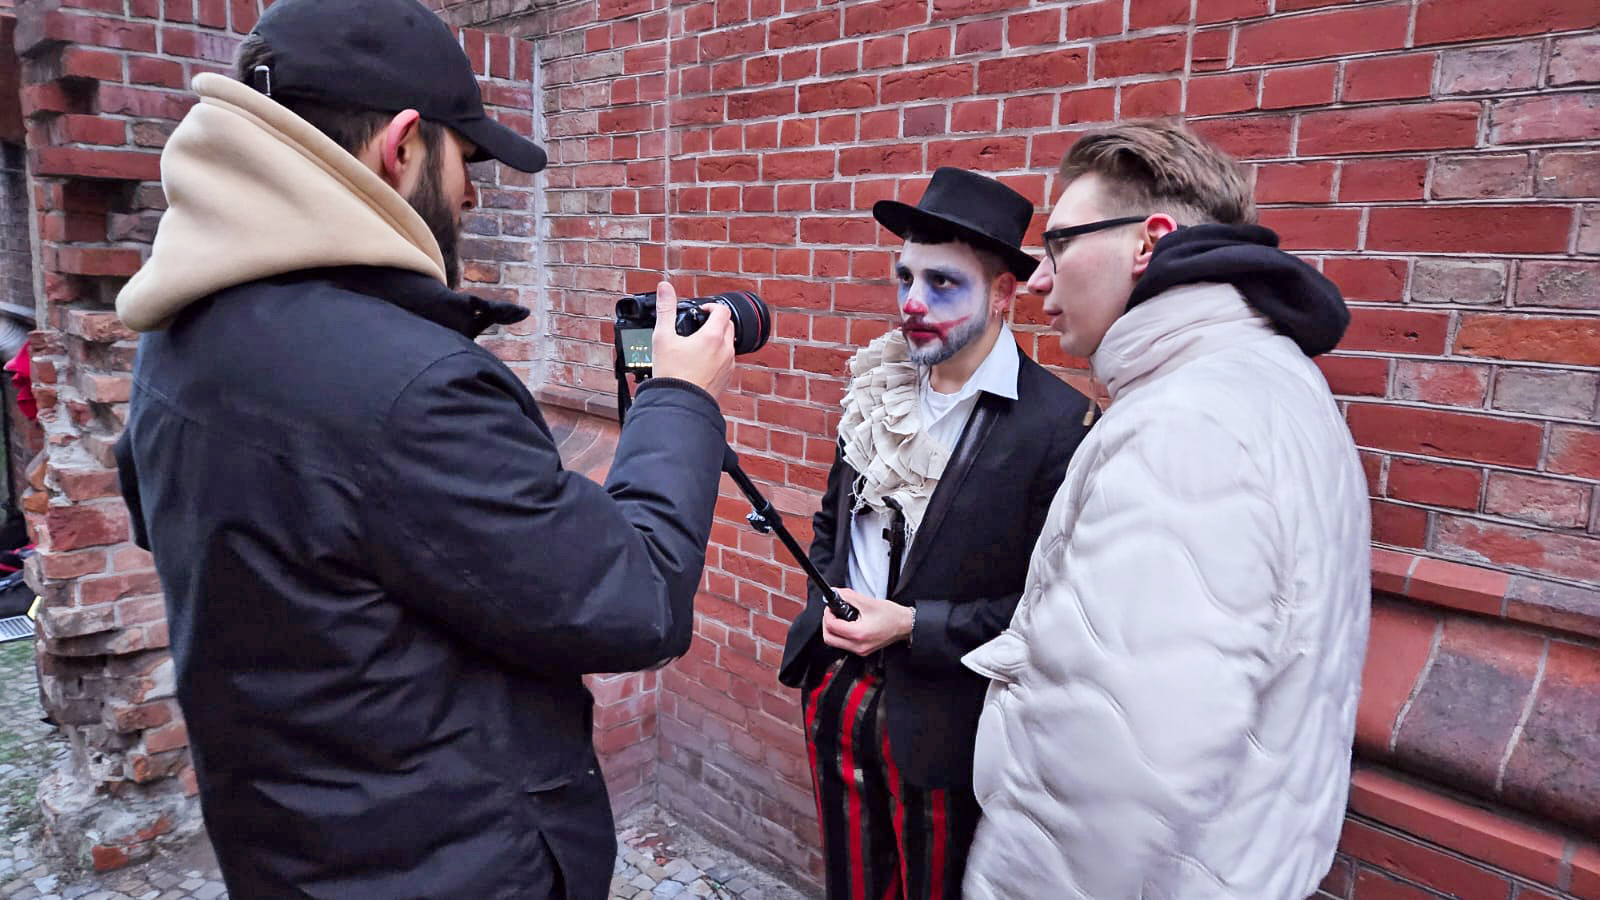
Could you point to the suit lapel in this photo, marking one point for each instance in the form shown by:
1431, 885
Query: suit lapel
968, 446
844, 515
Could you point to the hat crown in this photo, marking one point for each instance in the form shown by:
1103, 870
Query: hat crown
384, 55
979, 203
978, 209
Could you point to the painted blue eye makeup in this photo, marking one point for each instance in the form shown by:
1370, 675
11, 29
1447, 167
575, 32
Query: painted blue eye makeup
944, 287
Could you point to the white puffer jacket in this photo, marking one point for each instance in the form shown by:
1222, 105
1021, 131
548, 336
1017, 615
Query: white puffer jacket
1173, 706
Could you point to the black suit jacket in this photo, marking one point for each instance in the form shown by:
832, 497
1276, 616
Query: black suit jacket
964, 572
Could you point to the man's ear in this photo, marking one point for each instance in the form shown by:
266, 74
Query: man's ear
1002, 293
401, 149
1156, 227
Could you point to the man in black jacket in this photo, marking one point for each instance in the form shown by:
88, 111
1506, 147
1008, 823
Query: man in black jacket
382, 587
952, 444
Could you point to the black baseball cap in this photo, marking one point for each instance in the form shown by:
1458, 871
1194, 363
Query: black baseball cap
385, 55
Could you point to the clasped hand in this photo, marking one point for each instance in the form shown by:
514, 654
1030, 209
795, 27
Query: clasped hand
881, 623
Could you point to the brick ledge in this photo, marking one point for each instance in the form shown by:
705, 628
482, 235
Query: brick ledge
564, 397
1523, 740
1506, 841
585, 431
1487, 592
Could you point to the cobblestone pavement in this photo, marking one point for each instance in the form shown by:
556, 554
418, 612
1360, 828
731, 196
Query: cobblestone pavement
660, 857
657, 857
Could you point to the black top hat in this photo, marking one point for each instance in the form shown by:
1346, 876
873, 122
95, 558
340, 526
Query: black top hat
977, 209
384, 55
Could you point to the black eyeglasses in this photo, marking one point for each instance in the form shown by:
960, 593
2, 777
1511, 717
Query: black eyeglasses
1057, 239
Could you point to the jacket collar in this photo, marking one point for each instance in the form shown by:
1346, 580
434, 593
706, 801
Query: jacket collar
426, 297
1172, 328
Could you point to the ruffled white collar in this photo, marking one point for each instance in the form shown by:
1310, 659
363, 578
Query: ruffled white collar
884, 441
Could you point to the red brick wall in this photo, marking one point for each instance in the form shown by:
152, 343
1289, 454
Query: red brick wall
1435, 157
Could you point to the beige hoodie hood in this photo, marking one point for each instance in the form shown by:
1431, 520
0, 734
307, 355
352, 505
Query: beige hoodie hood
255, 191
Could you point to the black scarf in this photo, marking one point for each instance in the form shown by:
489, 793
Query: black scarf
1295, 298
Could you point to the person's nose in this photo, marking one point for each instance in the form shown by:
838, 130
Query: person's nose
469, 199
1042, 279
914, 304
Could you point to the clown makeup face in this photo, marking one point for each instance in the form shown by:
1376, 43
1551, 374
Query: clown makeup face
944, 299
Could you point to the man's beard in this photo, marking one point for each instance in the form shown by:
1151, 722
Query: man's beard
935, 353
429, 202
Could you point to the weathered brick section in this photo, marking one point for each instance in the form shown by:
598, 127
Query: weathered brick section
102, 89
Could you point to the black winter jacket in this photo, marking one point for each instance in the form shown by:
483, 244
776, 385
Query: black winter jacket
383, 588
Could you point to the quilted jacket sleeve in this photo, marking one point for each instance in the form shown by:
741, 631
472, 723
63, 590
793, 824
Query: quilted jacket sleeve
1149, 635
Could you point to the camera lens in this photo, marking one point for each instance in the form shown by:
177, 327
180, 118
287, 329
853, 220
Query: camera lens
752, 320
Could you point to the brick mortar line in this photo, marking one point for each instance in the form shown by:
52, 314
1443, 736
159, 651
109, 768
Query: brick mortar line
977, 57
1427, 202
1477, 260
1504, 415
1576, 531
1522, 721
1036, 132
1128, 34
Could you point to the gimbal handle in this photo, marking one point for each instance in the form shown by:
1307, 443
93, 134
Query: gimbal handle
764, 518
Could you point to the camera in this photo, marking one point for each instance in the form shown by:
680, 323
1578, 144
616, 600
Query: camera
636, 322
752, 326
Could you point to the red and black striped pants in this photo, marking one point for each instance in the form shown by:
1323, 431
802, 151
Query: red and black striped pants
882, 839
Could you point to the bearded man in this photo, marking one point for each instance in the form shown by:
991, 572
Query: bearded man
951, 445
383, 588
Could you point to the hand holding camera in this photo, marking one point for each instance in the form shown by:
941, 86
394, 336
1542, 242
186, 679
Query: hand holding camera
694, 344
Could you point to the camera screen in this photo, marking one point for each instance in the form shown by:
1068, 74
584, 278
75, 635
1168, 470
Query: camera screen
636, 347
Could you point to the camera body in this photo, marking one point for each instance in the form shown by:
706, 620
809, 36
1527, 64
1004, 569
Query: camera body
636, 321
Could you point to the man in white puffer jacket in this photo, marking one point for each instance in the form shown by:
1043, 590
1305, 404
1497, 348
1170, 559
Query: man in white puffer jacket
1172, 709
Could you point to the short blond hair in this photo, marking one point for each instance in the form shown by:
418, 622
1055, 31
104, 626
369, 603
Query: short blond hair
1148, 166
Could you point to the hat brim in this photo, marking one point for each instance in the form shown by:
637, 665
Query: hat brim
496, 141
902, 217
